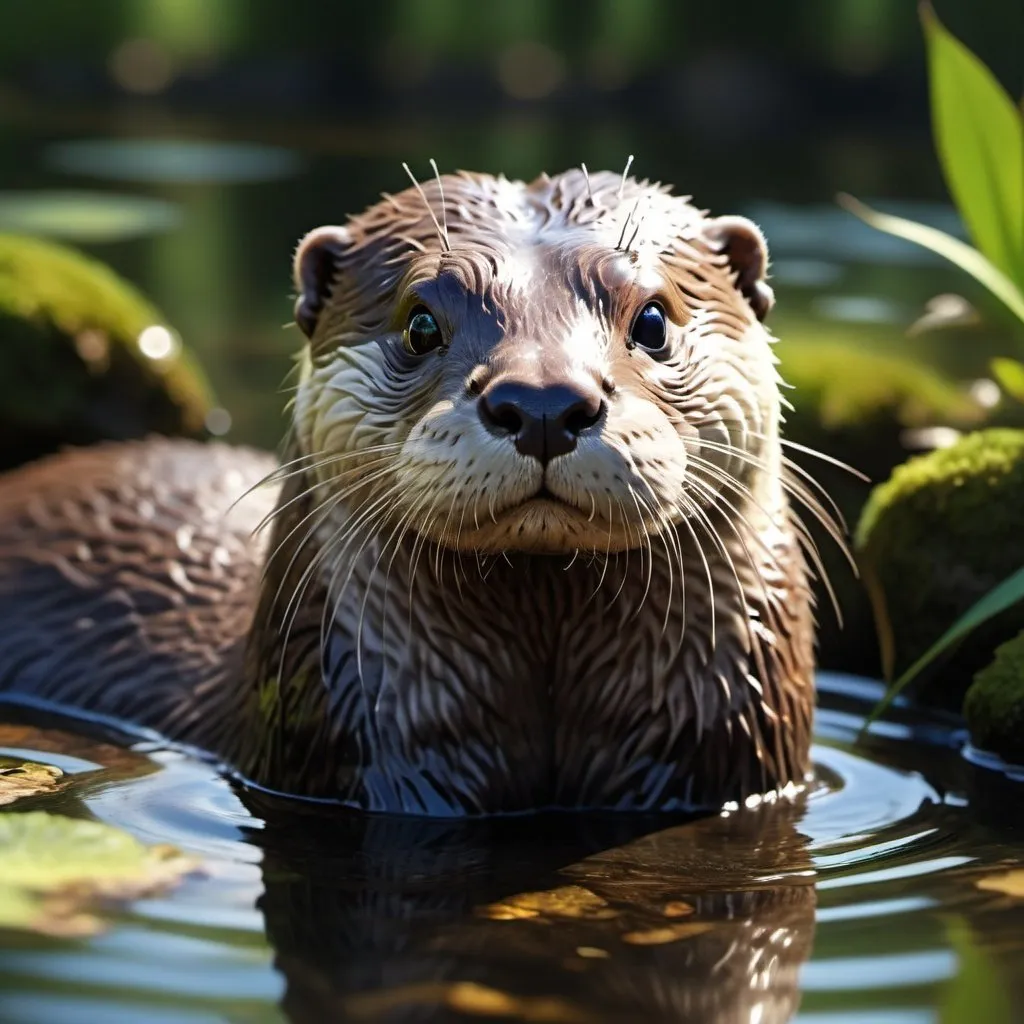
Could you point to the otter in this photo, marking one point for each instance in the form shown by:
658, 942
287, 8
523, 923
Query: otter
530, 543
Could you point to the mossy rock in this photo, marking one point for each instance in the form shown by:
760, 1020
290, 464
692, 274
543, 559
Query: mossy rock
994, 705
855, 405
72, 370
938, 535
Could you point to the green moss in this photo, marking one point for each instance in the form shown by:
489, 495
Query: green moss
994, 705
71, 369
939, 534
844, 386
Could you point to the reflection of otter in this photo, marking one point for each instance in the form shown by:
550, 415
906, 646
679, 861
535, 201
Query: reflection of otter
533, 546
409, 919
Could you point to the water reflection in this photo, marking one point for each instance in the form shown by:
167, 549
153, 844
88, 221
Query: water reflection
557, 918
85, 217
173, 161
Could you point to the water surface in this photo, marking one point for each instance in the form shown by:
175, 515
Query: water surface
858, 900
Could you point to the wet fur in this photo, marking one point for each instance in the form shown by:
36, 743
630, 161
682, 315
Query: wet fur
428, 638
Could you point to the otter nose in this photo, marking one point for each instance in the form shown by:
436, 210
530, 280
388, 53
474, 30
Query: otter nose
543, 421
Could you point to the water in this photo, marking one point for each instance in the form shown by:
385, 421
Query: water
857, 901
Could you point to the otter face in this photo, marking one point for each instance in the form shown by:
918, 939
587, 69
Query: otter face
571, 365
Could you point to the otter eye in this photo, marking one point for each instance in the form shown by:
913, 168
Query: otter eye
422, 335
649, 328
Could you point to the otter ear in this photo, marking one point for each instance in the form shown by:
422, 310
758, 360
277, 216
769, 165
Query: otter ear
316, 263
741, 240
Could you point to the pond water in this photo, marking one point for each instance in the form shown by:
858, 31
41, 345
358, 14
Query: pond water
873, 897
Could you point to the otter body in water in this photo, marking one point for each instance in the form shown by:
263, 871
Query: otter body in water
532, 545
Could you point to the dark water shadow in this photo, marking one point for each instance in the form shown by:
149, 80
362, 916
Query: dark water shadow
551, 917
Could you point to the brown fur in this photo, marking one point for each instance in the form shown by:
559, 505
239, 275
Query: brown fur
434, 632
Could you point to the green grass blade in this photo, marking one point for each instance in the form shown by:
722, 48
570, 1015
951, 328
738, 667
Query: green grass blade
966, 257
979, 136
1010, 375
998, 599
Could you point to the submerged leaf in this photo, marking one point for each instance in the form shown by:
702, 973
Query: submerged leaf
979, 135
27, 778
54, 869
966, 257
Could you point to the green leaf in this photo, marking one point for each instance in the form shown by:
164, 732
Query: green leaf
979, 135
54, 869
1010, 375
966, 257
998, 599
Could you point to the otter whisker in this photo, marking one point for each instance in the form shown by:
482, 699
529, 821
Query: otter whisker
692, 509
327, 506
650, 559
441, 236
814, 453
341, 536
717, 499
625, 174
740, 590
743, 491
444, 210
629, 538
286, 472
626, 223
804, 535
586, 175
831, 519
668, 535
306, 492
607, 554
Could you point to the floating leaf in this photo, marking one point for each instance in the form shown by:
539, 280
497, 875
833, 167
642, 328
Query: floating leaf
26, 778
979, 135
966, 257
998, 599
54, 870
1010, 375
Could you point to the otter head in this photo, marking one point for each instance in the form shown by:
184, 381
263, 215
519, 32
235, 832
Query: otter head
574, 364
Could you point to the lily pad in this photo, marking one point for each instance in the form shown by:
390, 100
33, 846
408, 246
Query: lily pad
27, 778
57, 872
